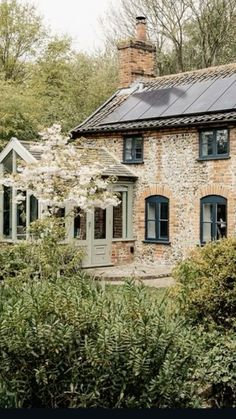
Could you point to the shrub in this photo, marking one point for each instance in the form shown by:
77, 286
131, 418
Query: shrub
69, 343
217, 368
43, 257
205, 295
206, 285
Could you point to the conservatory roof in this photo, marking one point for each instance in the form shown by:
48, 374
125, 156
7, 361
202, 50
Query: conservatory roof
88, 156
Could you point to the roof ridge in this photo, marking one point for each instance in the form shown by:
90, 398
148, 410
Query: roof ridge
212, 69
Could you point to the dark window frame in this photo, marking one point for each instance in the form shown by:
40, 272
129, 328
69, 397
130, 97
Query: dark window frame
158, 200
213, 200
134, 138
214, 155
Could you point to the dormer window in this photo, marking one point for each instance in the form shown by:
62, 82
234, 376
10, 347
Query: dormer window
133, 149
214, 144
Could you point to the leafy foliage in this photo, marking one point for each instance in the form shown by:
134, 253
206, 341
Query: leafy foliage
42, 79
216, 372
69, 343
205, 295
40, 258
21, 33
206, 284
19, 113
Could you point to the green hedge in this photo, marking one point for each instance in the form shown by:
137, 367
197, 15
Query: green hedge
68, 343
206, 285
205, 296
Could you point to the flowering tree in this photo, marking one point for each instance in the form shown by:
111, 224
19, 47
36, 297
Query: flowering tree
61, 176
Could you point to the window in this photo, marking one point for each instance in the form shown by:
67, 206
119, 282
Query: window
157, 219
214, 144
21, 221
79, 224
120, 213
213, 218
16, 216
133, 149
7, 212
100, 217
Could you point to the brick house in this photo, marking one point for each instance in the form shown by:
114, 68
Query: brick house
171, 142
177, 134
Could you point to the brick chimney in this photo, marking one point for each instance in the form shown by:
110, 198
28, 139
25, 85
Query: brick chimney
137, 56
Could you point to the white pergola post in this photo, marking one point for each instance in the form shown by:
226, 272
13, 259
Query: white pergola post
14, 205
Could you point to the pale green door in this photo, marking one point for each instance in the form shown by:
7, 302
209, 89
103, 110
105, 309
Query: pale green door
101, 236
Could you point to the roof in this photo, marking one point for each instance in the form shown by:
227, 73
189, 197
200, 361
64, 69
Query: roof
30, 147
23, 150
105, 158
190, 98
88, 155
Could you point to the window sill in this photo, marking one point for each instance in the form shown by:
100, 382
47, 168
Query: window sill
132, 162
157, 242
226, 157
122, 240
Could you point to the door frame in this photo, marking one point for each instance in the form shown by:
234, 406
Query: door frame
90, 259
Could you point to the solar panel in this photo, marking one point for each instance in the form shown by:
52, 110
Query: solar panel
125, 107
148, 99
226, 101
191, 94
209, 96
199, 97
158, 103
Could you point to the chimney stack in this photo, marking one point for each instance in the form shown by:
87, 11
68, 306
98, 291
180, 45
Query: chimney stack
137, 56
141, 28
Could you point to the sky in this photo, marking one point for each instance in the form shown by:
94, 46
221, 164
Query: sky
78, 18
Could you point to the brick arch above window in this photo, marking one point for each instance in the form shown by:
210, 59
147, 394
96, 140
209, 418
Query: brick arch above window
156, 190
214, 189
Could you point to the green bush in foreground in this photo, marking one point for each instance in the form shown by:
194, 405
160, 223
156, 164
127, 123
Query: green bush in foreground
43, 257
206, 285
217, 368
205, 296
69, 343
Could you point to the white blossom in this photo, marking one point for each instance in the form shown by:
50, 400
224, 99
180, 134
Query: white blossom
60, 175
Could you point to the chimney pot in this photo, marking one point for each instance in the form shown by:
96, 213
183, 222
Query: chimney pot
141, 32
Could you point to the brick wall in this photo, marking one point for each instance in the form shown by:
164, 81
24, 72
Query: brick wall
122, 252
171, 168
136, 58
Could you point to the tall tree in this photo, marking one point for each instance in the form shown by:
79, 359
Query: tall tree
21, 33
188, 33
71, 85
19, 113
212, 30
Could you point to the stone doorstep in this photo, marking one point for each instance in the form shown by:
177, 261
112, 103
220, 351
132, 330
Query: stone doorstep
135, 277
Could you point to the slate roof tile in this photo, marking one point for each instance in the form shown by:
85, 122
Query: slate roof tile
90, 155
